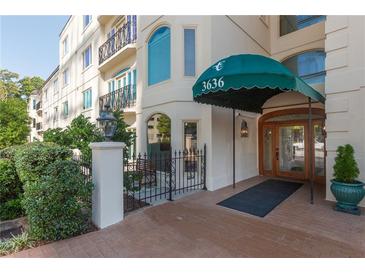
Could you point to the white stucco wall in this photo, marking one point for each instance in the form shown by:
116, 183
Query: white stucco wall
345, 89
80, 79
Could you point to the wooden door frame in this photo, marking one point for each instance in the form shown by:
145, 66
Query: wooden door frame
263, 122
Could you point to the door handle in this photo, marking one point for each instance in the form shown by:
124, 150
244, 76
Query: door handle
277, 154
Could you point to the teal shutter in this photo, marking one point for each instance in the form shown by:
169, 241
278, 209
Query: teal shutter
159, 55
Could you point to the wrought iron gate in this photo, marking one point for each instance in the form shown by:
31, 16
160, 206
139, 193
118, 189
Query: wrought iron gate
152, 178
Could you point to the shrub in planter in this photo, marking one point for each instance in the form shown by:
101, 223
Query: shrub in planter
31, 160
346, 189
58, 203
10, 185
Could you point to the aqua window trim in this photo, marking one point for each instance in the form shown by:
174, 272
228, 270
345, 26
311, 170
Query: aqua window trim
119, 73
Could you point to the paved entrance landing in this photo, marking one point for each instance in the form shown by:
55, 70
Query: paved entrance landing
194, 226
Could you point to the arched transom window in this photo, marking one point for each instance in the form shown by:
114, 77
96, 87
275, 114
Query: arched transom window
310, 66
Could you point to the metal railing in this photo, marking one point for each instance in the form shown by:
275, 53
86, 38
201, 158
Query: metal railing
119, 99
127, 34
38, 126
85, 165
38, 106
149, 179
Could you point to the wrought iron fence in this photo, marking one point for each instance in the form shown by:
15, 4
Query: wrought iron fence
127, 34
151, 178
119, 99
85, 165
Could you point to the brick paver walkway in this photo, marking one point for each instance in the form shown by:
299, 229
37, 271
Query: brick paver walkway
194, 226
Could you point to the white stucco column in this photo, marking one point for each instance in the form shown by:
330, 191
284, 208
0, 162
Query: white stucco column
107, 199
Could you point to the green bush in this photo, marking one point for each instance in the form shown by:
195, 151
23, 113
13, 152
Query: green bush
9, 152
57, 136
32, 160
345, 168
11, 209
58, 203
10, 185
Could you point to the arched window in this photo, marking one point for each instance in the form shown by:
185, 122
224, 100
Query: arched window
310, 66
290, 23
159, 62
158, 134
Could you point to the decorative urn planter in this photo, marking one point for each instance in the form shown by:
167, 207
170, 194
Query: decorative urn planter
347, 190
348, 196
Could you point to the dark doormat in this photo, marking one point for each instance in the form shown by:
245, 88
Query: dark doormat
260, 199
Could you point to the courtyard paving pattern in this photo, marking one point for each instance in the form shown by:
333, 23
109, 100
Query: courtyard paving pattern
194, 226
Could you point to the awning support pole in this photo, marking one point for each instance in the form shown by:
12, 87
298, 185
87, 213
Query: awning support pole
310, 137
234, 148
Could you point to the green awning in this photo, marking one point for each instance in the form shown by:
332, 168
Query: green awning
247, 81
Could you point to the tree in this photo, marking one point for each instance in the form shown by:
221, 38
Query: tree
81, 132
14, 122
121, 132
164, 127
57, 136
29, 84
9, 86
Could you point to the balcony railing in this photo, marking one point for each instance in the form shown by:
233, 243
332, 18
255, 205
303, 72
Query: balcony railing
125, 35
38, 126
38, 106
119, 99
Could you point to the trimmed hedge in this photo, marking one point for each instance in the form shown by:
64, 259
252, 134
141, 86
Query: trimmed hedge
10, 185
41, 180
9, 152
32, 160
58, 204
11, 209
10, 191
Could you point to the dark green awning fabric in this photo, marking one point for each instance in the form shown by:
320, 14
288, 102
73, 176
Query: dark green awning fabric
246, 81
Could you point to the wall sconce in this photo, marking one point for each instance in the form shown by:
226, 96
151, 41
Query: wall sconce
244, 129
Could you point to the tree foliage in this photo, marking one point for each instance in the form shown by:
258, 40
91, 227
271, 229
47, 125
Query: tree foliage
58, 136
29, 84
81, 132
11, 86
164, 127
14, 122
121, 132
8, 84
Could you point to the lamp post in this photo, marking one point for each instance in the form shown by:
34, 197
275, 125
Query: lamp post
107, 122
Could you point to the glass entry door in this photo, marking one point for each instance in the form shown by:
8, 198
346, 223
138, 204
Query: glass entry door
285, 145
290, 151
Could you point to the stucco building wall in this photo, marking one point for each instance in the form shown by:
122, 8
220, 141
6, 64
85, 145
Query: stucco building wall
345, 89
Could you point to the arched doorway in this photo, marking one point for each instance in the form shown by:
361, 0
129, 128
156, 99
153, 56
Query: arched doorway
284, 144
158, 134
